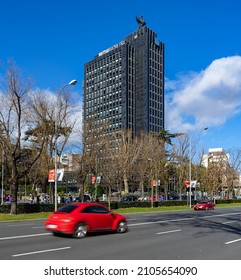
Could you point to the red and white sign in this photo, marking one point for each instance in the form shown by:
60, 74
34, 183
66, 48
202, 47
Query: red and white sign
154, 183
51, 175
187, 183
93, 179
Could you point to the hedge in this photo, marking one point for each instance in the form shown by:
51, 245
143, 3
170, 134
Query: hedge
39, 207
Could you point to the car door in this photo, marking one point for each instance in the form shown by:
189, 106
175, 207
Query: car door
210, 204
98, 218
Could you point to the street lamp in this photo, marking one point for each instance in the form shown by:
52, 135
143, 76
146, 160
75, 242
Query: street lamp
2, 193
190, 170
71, 83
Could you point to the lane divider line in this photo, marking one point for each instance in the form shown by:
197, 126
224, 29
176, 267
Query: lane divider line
170, 231
40, 252
160, 222
232, 241
23, 236
230, 222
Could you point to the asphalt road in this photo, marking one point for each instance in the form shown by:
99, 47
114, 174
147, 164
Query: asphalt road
174, 235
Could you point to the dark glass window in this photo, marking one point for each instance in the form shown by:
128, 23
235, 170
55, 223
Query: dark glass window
95, 210
67, 208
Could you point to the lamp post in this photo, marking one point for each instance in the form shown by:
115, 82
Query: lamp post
190, 173
2, 193
190, 170
150, 160
71, 83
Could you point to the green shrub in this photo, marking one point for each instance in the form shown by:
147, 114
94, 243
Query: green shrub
39, 207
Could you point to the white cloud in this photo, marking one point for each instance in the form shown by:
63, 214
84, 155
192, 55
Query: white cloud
75, 140
208, 98
194, 100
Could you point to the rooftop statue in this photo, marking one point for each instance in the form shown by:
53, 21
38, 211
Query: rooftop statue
140, 21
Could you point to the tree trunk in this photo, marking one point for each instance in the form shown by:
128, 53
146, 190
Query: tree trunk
165, 191
126, 185
141, 186
14, 192
81, 191
51, 193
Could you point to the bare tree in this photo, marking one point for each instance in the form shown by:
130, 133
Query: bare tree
28, 127
231, 172
14, 120
128, 149
52, 114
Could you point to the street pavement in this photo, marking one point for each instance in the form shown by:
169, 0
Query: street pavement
172, 235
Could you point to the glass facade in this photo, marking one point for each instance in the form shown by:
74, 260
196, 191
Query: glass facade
124, 86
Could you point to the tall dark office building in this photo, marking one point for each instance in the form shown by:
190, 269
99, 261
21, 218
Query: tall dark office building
124, 85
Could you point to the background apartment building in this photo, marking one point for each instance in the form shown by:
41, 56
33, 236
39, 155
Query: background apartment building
215, 155
217, 161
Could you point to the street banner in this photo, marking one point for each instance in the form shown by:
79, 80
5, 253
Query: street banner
98, 179
60, 174
51, 175
193, 184
93, 179
154, 183
187, 183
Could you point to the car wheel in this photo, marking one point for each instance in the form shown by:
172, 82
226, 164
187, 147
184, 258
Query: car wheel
122, 227
80, 230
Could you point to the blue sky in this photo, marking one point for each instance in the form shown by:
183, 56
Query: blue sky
50, 40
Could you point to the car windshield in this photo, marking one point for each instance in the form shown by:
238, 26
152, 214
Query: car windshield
67, 208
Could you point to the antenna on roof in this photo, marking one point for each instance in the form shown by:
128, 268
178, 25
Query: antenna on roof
140, 21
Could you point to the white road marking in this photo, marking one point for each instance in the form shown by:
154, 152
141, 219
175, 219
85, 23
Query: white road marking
233, 241
38, 227
40, 252
132, 225
230, 222
170, 231
222, 215
158, 222
19, 225
184, 219
23, 236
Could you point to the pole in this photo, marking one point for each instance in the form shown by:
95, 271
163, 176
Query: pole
190, 173
55, 166
190, 170
2, 177
152, 194
71, 83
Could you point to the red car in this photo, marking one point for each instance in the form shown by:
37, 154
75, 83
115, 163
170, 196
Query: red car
204, 205
77, 219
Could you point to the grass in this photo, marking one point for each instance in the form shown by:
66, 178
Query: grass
44, 215
19, 217
146, 209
